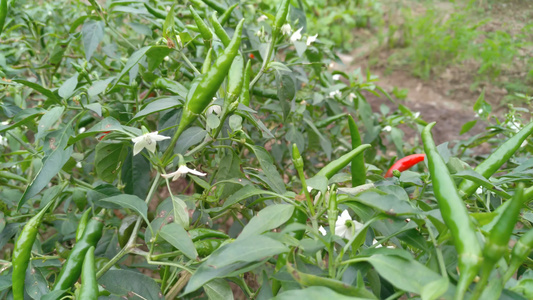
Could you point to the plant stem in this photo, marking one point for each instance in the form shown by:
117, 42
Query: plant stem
266, 61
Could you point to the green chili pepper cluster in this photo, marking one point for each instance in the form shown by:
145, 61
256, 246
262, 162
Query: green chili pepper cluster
22, 252
71, 270
454, 214
82, 224
488, 167
335, 166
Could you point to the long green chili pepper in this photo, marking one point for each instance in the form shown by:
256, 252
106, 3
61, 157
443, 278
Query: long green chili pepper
206, 247
219, 30
202, 94
281, 18
498, 240
3, 14
207, 62
454, 214
82, 224
215, 5
206, 33
329, 120
520, 252
358, 163
22, 251
203, 233
335, 166
170, 86
155, 12
71, 270
235, 80
125, 229
488, 167
89, 286
227, 14
244, 97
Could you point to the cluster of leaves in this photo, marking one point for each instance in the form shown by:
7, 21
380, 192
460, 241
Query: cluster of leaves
86, 86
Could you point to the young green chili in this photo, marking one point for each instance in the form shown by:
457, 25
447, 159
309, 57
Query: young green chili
219, 30
335, 166
82, 223
454, 214
206, 247
89, 286
207, 62
520, 252
358, 163
329, 120
227, 14
235, 80
70, 272
3, 14
488, 167
244, 98
202, 233
206, 33
125, 229
215, 5
281, 18
22, 252
155, 12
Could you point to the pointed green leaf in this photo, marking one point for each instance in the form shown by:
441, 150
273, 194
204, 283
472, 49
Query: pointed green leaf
179, 238
268, 218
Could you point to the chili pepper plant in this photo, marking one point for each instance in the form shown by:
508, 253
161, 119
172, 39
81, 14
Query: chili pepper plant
206, 149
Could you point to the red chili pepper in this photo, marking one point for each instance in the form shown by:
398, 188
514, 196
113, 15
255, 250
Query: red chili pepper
105, 133
252, 56
405, 163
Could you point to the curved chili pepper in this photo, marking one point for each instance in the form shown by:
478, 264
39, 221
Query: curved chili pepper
202, 233
202, 94
215, 5
82, 224
488, 167
206, 33
3, 14
520, 252
244, 97
219, 30
358, 163
70, 272
227, 14
281, 17
22, 252
155, 12
89, 286
170, 86
125, 229
235, 80
454, 214
335, 166
206, 247
405, 163
207, 62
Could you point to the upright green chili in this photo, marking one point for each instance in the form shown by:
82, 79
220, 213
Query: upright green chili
3, 14
70, 272
227, 14
358, 163
219, 30
488, 167
244, 98
281, 18
206, 33
202, 94
235, 80
520, 252
82, 224
22, 252
215, 5
454, 214
155, 12
335, 166
207, 62
89, 285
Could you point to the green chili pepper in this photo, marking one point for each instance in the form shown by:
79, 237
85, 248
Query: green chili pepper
3, 14
125, 229
520, 252
488, 167
454, 214
89, 286
528, 193
215, 5
82, 224
202, 233
155, 12
201, 94
227, 14
206, 247
235, 80
498, 240
333, 211
62, 251
244, 98
70, 272
206, 33
266, 93
335, 166
207, 62
22, 252
219, 30
169, 86
358, 163
281, 17
329, 120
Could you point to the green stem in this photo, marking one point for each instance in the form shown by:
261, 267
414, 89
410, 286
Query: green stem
266, 61
480, 286
440, 257
189, 63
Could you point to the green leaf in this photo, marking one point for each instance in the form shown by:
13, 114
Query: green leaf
107, 124
136, 175
212, 121
92, 33
35, 284
435, 289
68, 87
128, 283
108, 158
324, 142
274, 179
180, 211
179, 238
190, 137
99, 86
482, 181
231, 257
388, 203
268, 218
48, 120
156, 55
467, 126
218, 289
49, 94
168, 26
258, 124
132, 61
482, 108
157, 105
286, 93
127, 201
313, 293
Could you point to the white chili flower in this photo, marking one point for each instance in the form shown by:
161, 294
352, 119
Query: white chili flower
322, 230
297, 35
262, 18
216, 109
416, 115
387, 128
167, 58
182, 171
335, 93
344, 224
479, 190
311, 39
336, 76
379, 246
352, 96
286, 29
81, 130
78, 165
5, 123
147, 141
3, 141
524, 144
